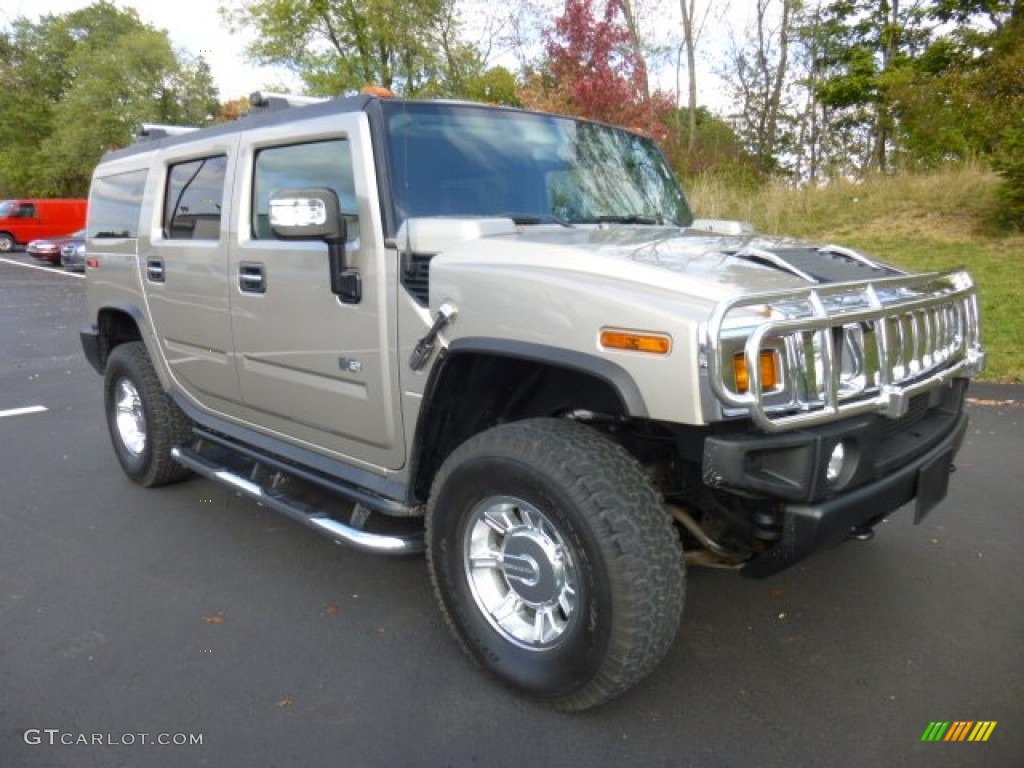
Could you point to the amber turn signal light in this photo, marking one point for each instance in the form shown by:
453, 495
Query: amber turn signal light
769, 365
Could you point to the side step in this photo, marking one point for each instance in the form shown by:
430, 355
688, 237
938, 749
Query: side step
387, 544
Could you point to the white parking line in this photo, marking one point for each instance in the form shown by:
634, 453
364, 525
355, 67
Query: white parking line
23, 411
42, 269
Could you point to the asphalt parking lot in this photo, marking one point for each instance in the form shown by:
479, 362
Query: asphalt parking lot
189, 611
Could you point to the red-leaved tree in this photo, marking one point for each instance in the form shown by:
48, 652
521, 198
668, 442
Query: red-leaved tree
591, 71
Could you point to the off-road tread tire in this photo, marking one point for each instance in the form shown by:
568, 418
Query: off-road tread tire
166, 424
639, 548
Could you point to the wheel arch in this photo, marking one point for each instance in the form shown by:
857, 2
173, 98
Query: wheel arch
116, 324
478, 383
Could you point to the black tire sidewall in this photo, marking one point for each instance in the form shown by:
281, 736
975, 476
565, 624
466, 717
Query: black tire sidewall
577, 658
7, 243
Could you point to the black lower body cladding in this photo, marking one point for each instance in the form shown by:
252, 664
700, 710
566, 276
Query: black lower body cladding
90, 338
887, 463
807, 528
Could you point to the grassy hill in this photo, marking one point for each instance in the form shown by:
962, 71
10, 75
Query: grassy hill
916, 221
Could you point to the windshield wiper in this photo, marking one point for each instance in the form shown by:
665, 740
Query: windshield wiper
628, 218
526, 219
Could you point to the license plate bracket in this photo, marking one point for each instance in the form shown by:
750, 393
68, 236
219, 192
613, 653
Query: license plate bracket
932, 484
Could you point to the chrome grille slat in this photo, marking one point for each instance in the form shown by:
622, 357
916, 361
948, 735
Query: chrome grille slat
927, 320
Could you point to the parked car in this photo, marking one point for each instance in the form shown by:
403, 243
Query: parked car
22, 221
72, 255
49, 249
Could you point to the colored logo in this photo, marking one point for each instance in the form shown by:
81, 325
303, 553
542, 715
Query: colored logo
959, 730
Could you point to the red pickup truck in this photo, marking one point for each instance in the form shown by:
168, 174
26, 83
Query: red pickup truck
24, 220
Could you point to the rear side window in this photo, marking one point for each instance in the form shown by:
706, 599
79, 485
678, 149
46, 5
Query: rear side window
114, 204
318, 164
192, 199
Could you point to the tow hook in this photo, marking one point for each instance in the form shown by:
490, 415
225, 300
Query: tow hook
425, 346
861, 533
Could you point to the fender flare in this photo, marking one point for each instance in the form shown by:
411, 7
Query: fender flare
614, 377
600, 368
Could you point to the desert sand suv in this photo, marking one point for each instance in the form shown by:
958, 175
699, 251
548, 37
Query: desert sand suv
502, 337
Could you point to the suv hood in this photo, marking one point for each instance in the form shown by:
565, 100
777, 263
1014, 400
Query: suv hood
702, 264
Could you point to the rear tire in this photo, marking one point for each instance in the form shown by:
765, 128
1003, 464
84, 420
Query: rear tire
144, 422
554, 562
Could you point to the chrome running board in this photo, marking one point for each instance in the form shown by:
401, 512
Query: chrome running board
388, 544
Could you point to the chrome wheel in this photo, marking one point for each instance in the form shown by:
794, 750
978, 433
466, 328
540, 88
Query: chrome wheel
520, 571
130, 418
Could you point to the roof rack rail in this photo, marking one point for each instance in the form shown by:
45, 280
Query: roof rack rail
154, 131
264, 101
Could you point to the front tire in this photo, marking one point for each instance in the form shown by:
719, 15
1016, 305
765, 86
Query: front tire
554, 562
7, 242
144, 423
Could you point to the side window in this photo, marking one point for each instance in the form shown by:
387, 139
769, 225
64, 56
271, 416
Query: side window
192, 199
114, 205
318, 164
27, 211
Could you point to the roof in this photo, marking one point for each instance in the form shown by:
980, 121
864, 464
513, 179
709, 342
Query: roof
255, 119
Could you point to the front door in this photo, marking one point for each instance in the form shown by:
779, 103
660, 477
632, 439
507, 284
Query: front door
313, 368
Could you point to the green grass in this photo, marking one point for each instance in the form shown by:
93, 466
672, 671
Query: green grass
915, 221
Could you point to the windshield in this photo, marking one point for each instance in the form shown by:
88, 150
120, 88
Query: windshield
8, 208
469, 160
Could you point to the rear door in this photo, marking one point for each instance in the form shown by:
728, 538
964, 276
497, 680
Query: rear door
183, 258
318, 370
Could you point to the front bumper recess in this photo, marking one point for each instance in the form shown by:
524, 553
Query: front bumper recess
811, 527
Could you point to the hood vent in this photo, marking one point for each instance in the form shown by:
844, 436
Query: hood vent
827, 264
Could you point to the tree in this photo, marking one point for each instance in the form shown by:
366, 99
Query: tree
761, 75
693, 27
864, 47
83, 81
970, 83
591, 71
340, 46
630, 14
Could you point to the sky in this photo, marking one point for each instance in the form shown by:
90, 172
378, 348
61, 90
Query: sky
196, 27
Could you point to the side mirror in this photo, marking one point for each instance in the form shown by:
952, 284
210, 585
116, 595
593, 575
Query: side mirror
315, 214
307, 214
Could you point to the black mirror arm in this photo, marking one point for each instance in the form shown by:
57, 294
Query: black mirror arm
345, 283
